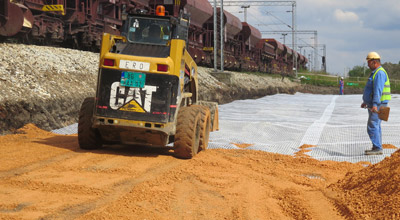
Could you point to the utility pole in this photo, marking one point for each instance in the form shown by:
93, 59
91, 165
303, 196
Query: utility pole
294, 38
300, 47
215, 36
324, 58
222, 35
312, 56
315, 33
316, 46
268, 3
245, 7
364, 69
284, 36
315, 50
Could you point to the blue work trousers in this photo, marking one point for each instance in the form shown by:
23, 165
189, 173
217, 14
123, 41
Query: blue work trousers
374, 128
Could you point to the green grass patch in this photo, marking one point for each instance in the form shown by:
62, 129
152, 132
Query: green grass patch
333, 81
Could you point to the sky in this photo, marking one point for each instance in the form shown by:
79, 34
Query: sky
349, 29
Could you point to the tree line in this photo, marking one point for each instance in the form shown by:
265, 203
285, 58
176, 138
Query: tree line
392, 69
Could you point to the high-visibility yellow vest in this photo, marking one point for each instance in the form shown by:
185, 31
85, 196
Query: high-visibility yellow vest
386, 88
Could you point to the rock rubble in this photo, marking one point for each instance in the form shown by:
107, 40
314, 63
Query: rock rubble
46, 85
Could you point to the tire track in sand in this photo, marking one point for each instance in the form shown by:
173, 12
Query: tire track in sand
119, 189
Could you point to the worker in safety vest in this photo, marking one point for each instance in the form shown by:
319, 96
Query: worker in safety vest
376, 94
341, 86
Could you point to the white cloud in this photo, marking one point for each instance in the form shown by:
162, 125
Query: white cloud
321, 4
349, 28
345, 16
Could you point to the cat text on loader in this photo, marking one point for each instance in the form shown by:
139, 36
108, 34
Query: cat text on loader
147, 90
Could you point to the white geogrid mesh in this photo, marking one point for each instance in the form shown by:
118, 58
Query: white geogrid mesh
282, 123
71, 129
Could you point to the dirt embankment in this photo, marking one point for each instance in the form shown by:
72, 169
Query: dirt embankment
46, 85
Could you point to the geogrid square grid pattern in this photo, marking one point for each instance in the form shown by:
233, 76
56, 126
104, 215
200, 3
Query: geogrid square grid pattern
336, 125
281, 123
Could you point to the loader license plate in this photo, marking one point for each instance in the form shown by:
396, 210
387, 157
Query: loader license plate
134, 65
132, 79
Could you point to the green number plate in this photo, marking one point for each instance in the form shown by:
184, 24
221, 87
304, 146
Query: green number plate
131, 79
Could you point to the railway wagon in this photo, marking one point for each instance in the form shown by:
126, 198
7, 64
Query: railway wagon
80, 24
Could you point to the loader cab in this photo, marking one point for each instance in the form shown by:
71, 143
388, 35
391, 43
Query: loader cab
155, 30
145, 30
150, 36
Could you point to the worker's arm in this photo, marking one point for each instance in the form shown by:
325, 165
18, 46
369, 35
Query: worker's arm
367, 95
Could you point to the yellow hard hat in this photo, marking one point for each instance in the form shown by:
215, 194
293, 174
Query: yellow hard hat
373, 56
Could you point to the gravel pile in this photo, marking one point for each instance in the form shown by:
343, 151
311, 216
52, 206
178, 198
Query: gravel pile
46, 85
29, 72
228, 86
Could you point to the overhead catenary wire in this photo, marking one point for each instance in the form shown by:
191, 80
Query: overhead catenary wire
273, 3
278, 19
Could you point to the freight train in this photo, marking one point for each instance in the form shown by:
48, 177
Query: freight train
80, 24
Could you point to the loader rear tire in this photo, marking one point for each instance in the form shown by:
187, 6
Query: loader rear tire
205, 125
187, 136
213, 107
89, 138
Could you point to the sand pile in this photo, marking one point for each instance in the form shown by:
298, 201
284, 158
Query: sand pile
373, 192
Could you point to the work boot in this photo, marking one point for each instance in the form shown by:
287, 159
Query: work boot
373, 148
374, 151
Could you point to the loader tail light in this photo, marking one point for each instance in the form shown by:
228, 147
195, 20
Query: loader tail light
108, 62
162, 67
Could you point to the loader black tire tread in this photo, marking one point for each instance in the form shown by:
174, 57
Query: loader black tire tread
187, 136
205, 125
213, 107
88, 137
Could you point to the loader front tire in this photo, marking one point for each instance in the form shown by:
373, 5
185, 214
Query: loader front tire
88, 137
187, 136
205, 125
